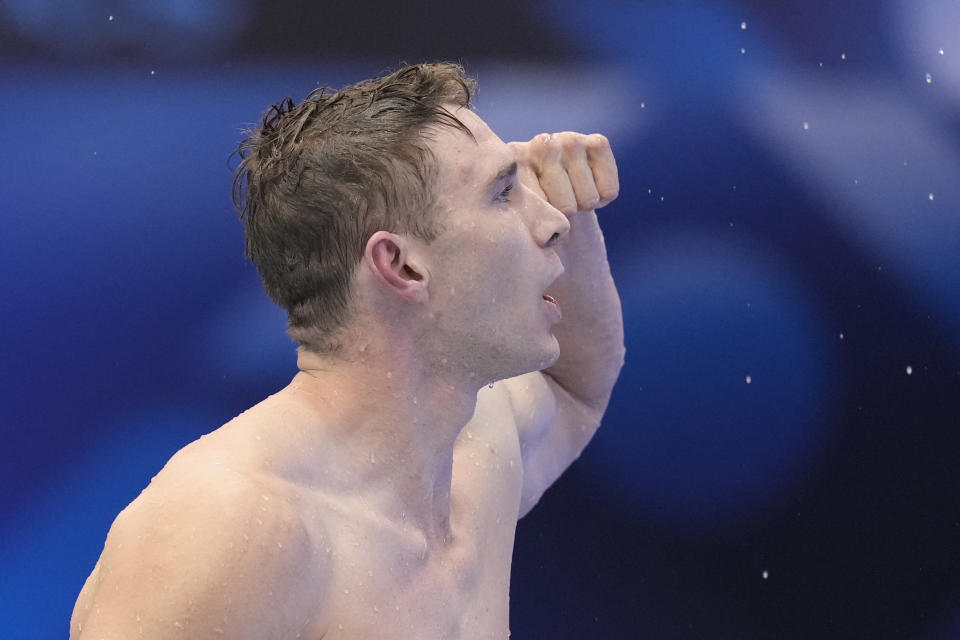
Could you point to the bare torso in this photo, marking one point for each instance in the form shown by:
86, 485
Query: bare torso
384, 579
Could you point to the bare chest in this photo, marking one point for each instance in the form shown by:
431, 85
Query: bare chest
389, 586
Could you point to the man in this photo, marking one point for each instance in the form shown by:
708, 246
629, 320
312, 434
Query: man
377, 495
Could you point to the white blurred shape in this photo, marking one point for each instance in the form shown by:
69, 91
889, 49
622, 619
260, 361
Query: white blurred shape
866, 131
519, 101
924, 25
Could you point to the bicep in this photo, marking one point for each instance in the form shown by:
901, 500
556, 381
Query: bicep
553, 427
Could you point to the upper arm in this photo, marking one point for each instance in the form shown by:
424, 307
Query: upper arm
226, 559
553, 428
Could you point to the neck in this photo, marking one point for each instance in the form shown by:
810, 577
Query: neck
389, 425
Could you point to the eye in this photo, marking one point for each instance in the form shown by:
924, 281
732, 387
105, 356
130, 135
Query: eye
504, 196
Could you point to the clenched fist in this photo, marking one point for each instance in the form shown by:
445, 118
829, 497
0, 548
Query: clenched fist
574, 172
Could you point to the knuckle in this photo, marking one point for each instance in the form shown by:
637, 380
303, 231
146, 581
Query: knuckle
568, 140
611, 193
598, 140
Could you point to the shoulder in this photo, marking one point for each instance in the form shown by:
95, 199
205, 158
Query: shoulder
212, 549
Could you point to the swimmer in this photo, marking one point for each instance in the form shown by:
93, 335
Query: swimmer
420, 259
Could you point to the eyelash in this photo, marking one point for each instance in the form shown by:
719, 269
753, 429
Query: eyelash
504, 196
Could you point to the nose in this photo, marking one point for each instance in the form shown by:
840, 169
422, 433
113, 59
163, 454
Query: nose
548, 224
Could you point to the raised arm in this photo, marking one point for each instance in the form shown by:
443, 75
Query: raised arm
559, 409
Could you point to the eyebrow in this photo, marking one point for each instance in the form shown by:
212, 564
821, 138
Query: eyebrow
508, 171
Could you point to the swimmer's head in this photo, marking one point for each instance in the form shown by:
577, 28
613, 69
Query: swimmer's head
318, 179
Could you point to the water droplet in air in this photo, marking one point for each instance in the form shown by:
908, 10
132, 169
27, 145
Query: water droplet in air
110, 18
742, 50
930, 196
749, 379
909, 371
766, 575
929, 78
843, 56
806, 126
153, 73
743, 26
643, 105
841, 336
940, 51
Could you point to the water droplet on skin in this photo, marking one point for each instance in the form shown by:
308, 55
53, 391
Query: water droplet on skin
469, 435
373, 458
389, 374
490, 386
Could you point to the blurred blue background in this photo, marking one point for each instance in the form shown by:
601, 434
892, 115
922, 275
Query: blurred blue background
781, 456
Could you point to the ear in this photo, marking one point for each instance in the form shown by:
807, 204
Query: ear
389, 258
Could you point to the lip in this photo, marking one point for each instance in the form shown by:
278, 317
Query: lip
554, 305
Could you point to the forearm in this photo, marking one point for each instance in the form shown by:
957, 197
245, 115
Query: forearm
591, 331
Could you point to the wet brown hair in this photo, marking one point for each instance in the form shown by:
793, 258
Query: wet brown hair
317, 179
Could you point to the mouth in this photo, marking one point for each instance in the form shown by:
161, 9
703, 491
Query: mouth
553, 302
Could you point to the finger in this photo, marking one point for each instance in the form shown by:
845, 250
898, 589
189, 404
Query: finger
529, 179
556, 185
604, 168
581, 176
547, 162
